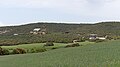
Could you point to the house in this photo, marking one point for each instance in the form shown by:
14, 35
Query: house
40, 31
15, 34
92, 36
95, 36
4, 31
101, 38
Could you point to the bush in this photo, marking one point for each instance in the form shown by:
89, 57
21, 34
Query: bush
8, 42
19, 51
49, 44
68, 46
36, 50
82, 40
54, 47
73, 45
4, 51
32, 51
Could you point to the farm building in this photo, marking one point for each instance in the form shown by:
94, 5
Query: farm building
4, 31
92, 36
15, 34
38, 31
95, 36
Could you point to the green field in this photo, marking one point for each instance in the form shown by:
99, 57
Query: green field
105, 54
30, 46
40, 45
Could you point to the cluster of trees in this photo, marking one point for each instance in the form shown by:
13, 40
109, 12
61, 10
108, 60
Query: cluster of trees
56, 38
14, 51
109, 28
20, 51
27, 39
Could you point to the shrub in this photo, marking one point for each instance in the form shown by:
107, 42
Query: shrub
82, 40
8, 42
19, 51
49, 44
36, 50
54, 47
4, 51
68, 46
32, 51
73, 45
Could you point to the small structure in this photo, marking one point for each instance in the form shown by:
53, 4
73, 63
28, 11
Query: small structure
15, 34
95, 36
36, 29
41, 31
4, 31
92, 36
101, 38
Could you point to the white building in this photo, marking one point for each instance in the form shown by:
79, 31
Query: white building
94, 36
37, 29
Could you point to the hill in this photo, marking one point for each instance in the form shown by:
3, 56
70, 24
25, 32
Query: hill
104, 54
100, 28
57, 32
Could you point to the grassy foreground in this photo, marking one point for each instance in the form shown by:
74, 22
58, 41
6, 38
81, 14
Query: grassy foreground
106, 54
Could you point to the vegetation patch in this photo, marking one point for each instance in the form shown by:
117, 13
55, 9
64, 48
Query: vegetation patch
4, 51
19, 51
36, 50
49, 44
97, 40
73, 45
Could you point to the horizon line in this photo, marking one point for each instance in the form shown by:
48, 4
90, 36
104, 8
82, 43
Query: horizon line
65, 22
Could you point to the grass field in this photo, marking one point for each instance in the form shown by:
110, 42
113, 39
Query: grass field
30, 46
40, 45
105, 54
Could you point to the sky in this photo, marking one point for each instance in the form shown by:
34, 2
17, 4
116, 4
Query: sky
14, 12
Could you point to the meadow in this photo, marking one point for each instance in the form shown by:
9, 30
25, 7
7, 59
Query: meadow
40, 45
103, 54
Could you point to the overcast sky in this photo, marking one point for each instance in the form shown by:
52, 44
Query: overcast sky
24, 11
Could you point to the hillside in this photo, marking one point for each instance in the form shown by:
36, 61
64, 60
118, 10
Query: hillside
57, 32
100, 28
51, 27
104, 54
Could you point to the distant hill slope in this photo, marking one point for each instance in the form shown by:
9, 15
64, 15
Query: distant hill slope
51, 27
111, 28
57, 32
